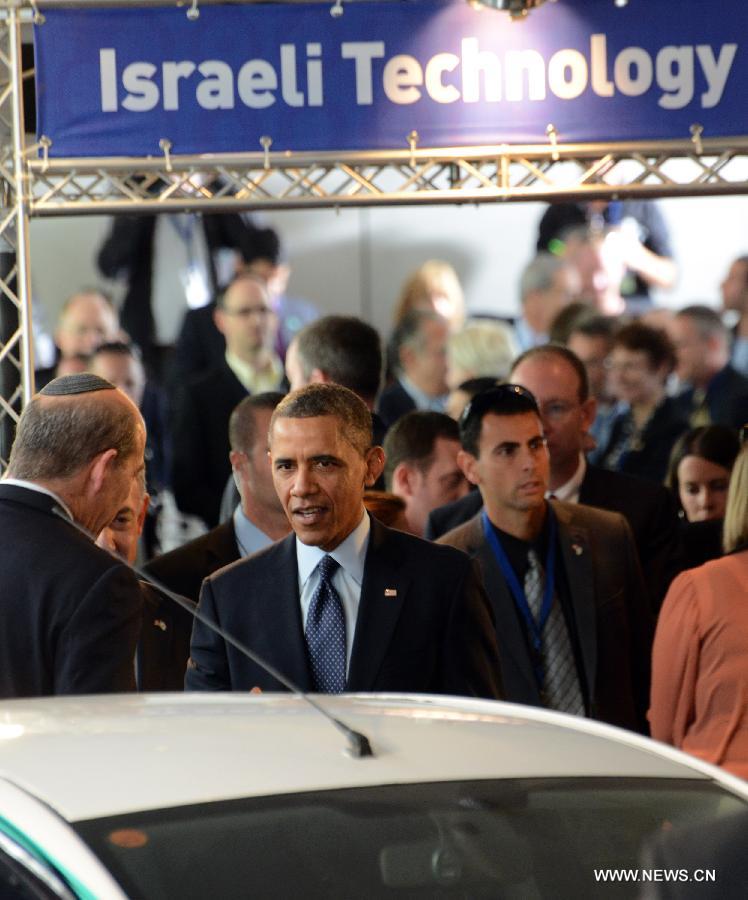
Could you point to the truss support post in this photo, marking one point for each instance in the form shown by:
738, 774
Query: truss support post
21, 201
9, 373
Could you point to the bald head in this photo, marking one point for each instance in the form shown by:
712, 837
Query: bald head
72, 420
87, 320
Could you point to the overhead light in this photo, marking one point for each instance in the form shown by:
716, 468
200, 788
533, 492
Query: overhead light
517, 9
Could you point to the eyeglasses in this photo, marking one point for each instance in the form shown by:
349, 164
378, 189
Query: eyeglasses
246, 311
503, 399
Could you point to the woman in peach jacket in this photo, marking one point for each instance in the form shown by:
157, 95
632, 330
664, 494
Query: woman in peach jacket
699, 697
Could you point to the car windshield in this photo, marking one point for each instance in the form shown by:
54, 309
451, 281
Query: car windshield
525, 837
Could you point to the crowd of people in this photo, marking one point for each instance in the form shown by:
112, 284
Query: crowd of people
551, 509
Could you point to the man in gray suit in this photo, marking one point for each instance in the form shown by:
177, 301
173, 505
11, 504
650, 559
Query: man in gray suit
572, 621
343, 603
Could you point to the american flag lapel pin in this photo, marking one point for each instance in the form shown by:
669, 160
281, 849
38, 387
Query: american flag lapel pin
577, 548
390, 592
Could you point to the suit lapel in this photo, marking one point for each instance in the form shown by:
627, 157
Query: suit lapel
382, 596
278, 615
577, 557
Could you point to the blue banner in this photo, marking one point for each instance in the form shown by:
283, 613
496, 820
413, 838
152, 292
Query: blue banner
117, 81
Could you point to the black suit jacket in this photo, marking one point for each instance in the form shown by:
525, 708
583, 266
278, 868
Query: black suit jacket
71, 612
184, 569
650, 458
649, 509
393, 403
200, 346
164, 645
435, 635
611, 615
201, 441
726, 398
128, 249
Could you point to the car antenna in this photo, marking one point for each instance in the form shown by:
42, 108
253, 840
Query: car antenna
359, 746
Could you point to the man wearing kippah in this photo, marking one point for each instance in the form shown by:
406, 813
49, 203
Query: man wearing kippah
69, 612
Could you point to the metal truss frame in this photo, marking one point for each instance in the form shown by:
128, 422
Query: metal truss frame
437, 176
32, 184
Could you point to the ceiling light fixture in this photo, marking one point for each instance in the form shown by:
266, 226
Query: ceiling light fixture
517, 9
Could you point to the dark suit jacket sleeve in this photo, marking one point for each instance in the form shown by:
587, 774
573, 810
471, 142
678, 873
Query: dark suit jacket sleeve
121, 246
97, 646
641, 625
208, 667
470, 655
662, 555
190, 460
445, 518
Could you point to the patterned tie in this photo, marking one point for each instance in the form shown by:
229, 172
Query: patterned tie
699, 410
325, 633
562, 690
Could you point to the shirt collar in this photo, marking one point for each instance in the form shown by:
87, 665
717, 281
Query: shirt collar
249, 538
526, 336
255, 380
570, 491
350, 553
421, 399
32, 486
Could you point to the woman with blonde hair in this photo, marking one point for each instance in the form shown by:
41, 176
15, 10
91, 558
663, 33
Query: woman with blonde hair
434, 287
483, 347
699, 697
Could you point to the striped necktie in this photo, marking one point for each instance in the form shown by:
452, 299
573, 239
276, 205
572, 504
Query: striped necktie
561, 685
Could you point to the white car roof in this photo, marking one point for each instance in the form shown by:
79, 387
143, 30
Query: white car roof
97, 756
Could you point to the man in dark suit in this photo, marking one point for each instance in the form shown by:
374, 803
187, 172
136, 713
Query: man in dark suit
716, 393
418, 351
340, 350
70, 612
344, 603
572, 621
203, 407
255, 523
130, 251
558, 380
735, 301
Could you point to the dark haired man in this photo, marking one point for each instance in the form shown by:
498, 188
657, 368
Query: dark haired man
169, 261
203, 406
121, 364
716, 393
70, 612
421, 465
418, 350
343, 603
254, 523
340, 350
558, 381
591, 339
735, 301
572, 622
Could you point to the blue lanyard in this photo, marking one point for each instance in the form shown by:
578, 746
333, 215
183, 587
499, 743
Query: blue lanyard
534, 628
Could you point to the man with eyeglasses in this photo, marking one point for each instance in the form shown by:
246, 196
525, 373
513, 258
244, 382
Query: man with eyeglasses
572, 621
202, 409
558, 380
